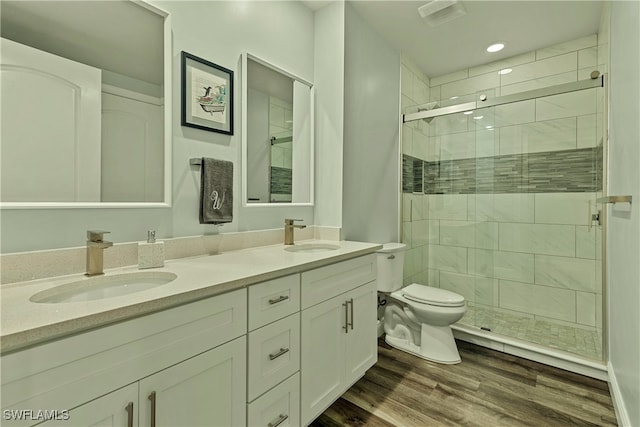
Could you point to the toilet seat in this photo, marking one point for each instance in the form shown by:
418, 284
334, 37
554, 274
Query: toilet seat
432, 296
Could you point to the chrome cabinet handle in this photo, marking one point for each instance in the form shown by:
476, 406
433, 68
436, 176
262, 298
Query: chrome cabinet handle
152, 398
129, 410
278, 421
346, 317
351, 302
282, 351
279, 299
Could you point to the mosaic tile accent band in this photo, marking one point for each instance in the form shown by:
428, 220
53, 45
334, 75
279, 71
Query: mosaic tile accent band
572, 171
412, 174
280, 180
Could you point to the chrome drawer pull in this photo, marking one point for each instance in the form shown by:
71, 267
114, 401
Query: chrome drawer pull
278, 354
279, 421
279, 299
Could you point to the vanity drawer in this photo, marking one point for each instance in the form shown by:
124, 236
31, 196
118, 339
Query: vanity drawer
279, 407
274, 354
273, 300
324, 283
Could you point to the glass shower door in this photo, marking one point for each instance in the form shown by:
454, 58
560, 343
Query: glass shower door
536, 258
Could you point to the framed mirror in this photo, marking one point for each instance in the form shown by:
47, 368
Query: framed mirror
86, 104
277, 135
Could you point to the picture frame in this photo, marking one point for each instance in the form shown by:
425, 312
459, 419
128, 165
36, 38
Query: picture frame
207, 95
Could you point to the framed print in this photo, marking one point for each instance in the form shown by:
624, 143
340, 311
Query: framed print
207, 95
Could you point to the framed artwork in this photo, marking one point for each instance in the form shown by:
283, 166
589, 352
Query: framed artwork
207, 95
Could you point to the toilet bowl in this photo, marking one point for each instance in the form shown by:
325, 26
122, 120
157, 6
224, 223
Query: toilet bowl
417, 318
428, 312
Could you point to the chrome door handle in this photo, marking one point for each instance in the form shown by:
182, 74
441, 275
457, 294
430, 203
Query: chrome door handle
279, 299
346, 317
279, 353
129, 410
278, 421
351, 302
152, 398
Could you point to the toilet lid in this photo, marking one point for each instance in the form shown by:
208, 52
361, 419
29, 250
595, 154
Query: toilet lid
432, 296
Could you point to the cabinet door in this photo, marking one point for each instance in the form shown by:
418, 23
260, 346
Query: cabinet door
322, 364
206, 390
116, 409
362, 341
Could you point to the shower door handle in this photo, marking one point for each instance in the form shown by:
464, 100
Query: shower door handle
593, 217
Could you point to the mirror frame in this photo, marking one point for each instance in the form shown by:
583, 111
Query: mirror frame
167, 117
245, 58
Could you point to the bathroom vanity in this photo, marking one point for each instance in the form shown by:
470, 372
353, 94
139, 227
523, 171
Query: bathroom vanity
260, 336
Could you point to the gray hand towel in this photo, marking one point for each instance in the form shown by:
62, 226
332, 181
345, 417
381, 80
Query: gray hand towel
216, 191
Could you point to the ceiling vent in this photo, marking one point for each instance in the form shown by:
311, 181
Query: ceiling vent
438, 12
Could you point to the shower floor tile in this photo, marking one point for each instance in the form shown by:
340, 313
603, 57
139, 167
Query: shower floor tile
582, 342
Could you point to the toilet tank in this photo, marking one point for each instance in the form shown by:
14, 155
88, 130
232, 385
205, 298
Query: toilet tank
390, 266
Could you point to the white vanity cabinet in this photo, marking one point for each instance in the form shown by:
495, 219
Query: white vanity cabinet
275, 353
192, 356
338, 331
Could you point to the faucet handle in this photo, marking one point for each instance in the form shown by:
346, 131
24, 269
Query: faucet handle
96, 235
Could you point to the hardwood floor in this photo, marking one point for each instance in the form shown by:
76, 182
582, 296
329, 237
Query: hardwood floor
487, 389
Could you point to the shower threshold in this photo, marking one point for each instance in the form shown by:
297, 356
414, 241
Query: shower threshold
538, 353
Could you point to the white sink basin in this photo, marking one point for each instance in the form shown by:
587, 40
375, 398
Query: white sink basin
101, 287
310, 248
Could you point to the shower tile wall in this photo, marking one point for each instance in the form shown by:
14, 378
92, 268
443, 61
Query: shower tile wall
491, 227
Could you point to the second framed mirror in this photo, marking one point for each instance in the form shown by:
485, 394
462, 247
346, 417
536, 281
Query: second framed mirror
277, 135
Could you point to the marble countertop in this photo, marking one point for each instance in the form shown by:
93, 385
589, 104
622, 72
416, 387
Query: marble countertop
24, 323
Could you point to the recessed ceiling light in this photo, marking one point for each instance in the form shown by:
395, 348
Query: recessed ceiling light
495, 47
505, 71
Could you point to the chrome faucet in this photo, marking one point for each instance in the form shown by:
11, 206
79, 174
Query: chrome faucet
95, 248
288, 230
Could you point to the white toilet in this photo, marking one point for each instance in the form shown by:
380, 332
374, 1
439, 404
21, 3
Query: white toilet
417, 318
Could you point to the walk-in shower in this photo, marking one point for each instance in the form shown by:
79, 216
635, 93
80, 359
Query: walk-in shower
500, 206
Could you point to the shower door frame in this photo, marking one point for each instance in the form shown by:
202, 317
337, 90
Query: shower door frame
485, 102
596, 80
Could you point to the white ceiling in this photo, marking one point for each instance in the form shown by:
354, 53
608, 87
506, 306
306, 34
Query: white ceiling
523, 25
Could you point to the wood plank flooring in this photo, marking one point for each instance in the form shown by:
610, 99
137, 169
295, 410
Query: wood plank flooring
487, 389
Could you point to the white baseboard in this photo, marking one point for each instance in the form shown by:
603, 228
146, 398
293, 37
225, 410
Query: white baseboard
618, 404
531, 352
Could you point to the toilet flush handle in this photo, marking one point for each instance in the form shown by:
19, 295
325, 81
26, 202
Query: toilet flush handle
391, 257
